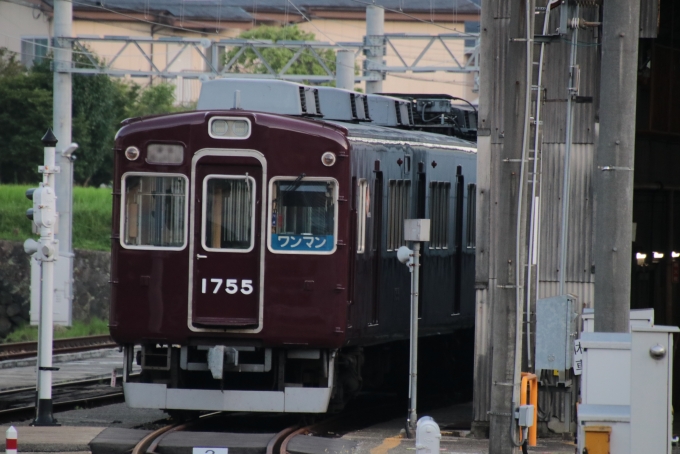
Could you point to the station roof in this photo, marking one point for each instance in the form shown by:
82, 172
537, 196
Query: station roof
268, 10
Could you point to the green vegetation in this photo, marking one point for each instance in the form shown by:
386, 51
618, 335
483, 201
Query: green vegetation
29, 333
100, 103
91, 216
307, 63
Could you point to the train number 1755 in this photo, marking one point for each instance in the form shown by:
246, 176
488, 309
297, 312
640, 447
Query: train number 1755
231, 286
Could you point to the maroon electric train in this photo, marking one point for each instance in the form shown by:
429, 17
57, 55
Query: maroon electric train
254, 246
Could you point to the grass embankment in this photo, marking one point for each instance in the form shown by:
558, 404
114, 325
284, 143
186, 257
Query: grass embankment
91, 216
28, 333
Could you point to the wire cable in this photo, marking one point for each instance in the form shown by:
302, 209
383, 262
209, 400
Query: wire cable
411, 16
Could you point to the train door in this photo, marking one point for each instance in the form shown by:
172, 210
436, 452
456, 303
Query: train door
227, 241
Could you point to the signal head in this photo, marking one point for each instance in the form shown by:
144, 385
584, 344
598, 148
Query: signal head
31, 246
404, 255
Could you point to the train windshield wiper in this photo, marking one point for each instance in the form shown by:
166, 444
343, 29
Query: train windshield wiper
296, 184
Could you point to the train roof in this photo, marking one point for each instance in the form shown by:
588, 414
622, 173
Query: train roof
366, 132
355, 132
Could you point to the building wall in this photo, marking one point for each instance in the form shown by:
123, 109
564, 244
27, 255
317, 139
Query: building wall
579, 272
18, 21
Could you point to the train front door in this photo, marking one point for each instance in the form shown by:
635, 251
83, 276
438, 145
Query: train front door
227, 241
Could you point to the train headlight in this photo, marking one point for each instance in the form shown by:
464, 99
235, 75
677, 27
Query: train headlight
328, 159
239, 128
164, 153
132, 153
229, 128
220, 127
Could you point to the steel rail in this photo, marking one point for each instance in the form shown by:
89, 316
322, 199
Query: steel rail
29, 410
274, 445
66, 384
291, 435
149, 444
23, 350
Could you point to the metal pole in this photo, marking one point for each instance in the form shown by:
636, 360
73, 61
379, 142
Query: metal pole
572, 91
46, 211
344, 69
413, 391
669, 261
613, 177
375, 40
61, 115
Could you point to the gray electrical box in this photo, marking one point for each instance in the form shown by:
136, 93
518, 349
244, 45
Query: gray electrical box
555, 332
417, 229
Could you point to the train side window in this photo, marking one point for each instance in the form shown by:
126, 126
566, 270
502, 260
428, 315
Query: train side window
303, 215
439, 214
154, 211
228, 213
399, 208
363, 208
472, 215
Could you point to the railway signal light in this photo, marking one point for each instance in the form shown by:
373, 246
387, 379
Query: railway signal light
44, 217
29, 196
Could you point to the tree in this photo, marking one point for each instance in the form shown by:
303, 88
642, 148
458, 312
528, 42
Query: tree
249, 62
26, 100
100, 103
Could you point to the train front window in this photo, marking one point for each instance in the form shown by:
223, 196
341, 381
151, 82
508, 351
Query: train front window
154, 211
303, 215
228, 213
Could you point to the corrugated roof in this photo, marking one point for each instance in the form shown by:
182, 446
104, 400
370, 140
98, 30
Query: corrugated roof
241, 10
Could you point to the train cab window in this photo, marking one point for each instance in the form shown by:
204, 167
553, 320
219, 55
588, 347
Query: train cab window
303, 215
228, 213
439, 214
154, 211
363, 209
399, 208
472, 215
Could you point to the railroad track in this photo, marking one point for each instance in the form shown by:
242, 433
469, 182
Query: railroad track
22, 350
282, 431
277, 445
16, 404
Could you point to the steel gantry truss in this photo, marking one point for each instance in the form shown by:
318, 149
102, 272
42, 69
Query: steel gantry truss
209, 51
453, 66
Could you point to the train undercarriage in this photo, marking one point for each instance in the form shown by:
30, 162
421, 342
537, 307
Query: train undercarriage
284, 380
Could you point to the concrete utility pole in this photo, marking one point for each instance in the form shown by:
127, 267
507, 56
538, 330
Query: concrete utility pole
613, 182
344, 69
61, 119
510, 57
375, 40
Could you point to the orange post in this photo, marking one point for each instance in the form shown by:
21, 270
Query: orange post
531, 381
